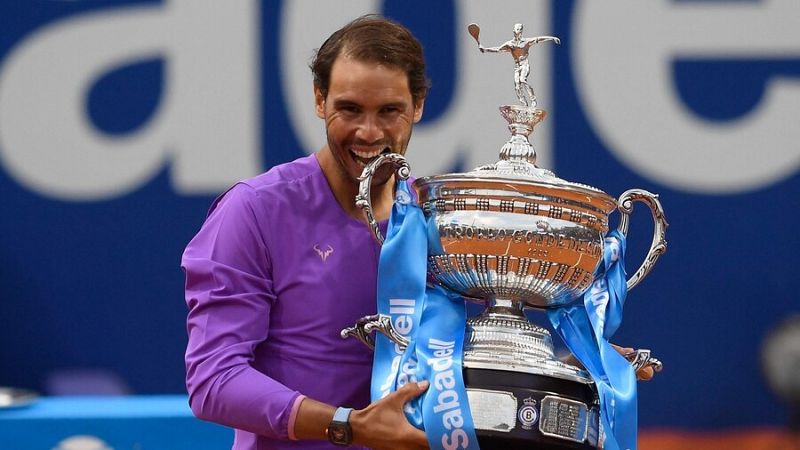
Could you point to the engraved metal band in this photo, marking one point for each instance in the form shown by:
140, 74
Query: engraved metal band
564, 419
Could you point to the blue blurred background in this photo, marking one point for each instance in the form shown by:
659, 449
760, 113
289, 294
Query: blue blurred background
120, 121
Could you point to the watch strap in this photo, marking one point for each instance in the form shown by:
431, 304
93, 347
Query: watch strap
342, 415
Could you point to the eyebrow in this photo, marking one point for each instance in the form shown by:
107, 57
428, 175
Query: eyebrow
399, 105
338, 103
342, 102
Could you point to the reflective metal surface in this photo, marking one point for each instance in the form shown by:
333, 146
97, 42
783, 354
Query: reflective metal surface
564, 418
402, 171
518, 47
517, 232
493, 410
502, 338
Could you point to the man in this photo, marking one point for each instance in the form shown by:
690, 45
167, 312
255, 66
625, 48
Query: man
519, 48
284, 262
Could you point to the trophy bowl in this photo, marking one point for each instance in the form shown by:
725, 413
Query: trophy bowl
518, 240
515, 232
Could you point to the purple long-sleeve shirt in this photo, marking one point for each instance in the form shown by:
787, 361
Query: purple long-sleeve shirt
277, 270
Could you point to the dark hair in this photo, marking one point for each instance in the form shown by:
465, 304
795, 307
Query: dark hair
373, 38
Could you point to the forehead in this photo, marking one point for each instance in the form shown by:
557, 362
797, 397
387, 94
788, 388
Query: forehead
365, 79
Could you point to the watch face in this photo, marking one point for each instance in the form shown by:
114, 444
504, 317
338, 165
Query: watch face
339, 433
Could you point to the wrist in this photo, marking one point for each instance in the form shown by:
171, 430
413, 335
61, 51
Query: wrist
312, 420
358, 425
293, 417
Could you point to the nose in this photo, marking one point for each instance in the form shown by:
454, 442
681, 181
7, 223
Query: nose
369, 129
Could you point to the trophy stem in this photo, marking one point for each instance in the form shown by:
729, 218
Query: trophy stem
502, 338
505, 309
503, 332
521, 121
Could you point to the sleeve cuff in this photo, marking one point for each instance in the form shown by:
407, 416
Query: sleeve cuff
293, 416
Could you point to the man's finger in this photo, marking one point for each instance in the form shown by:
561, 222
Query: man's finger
622, 350
411, 390
645, 373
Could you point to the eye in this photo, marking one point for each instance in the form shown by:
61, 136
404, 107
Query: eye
347, 108
391, 109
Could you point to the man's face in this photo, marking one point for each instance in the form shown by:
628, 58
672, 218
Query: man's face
368, 111
517, 29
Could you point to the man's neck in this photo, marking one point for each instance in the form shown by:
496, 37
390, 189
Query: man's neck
345, 189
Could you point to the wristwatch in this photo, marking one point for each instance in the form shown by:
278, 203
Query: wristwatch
339, 431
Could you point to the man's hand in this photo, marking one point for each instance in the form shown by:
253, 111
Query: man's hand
383, 425
644, 374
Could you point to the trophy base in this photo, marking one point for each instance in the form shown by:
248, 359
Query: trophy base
513, 410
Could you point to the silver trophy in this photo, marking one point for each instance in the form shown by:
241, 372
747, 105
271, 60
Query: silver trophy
511, 235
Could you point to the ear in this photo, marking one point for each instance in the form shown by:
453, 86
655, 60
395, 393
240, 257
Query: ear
418, 109
319, 103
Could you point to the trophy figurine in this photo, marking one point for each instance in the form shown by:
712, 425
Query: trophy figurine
511, 236
518, 47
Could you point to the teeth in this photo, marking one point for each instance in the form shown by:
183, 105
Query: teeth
362, 158
366, 155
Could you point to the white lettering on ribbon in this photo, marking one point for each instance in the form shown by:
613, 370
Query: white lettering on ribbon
447, 401
402, 313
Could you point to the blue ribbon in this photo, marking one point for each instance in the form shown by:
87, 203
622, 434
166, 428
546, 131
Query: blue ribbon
434, 322
440, 348
402, 270
587, 328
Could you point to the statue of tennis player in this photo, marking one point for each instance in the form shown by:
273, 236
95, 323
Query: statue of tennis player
518, 47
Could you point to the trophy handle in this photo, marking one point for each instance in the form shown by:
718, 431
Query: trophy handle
378, 322
642, 358
402, 171
659, 243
